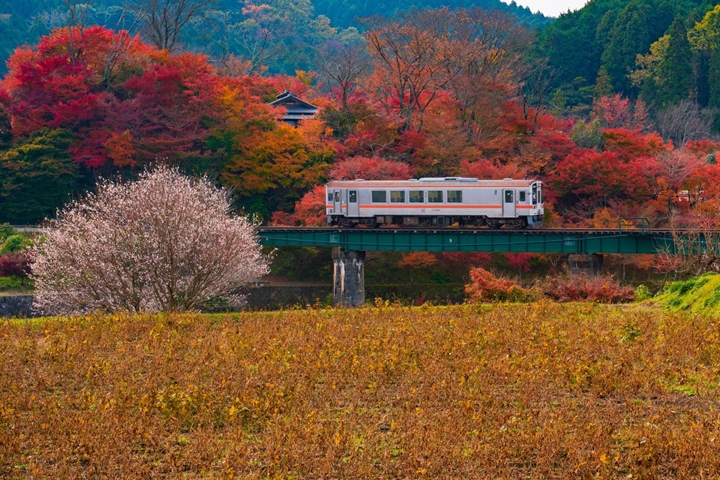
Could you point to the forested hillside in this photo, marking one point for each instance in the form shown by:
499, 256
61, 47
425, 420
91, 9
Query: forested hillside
656, 50
280, 34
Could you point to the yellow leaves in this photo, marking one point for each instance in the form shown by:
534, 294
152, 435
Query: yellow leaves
283, 395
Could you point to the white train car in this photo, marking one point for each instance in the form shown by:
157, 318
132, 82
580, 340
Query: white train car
435, 202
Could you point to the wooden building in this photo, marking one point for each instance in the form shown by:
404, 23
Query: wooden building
296, 109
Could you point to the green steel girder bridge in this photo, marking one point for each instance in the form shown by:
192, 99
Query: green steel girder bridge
564, 241
583, 247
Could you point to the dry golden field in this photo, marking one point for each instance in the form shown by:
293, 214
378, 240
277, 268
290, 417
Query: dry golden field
510, 391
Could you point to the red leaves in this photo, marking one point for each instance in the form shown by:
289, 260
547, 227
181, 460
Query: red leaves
595, 174
630, 144
309, 211
126, 102
487, 169
14, 264
371, 169
484, 286
586, 288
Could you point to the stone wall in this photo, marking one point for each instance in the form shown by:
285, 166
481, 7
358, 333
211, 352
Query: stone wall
17, 306
275, 297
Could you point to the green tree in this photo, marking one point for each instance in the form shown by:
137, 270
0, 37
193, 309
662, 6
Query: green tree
603, 84
629, 36
36, 177
677, 71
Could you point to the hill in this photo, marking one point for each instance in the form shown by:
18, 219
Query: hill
610, 34
225, 28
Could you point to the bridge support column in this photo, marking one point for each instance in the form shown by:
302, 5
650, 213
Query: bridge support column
588, 264
348, 278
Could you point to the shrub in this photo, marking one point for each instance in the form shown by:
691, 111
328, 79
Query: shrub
14, 243
642, 293
14, 265
163, 243
587, 288
486, 287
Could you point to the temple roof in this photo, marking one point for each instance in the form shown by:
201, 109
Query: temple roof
296, 109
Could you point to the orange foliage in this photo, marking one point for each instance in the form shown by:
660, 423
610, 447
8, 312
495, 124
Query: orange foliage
484, 286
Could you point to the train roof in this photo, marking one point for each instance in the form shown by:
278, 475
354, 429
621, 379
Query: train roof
432, 182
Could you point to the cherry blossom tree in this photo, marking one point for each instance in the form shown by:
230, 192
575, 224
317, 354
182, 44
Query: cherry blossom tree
165, 242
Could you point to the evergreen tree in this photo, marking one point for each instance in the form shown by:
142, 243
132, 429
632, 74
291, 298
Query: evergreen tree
714, 82
630, 35
603, 85
676, 71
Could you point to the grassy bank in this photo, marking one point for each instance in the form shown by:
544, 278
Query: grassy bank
520, 391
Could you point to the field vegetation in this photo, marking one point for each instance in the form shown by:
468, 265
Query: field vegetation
697, 295
537, 390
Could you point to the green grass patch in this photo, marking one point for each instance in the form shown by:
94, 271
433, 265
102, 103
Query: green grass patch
698, 295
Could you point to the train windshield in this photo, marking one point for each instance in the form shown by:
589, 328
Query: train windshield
534, 193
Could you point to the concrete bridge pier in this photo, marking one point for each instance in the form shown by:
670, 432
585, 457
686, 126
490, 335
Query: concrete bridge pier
589, 264
348, 277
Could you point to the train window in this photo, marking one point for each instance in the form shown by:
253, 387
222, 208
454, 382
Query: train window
539, 194
352, 196
522, 197
534, 194
397, 196
454, 196
416, 196
435, 196
509, 196
379, 196
337, 196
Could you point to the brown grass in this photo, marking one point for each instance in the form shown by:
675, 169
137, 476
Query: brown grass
520, 391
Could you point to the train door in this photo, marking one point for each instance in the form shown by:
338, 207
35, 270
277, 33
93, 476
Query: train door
353, 209
509, 204
337, 204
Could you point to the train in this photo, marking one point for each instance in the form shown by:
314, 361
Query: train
435, 202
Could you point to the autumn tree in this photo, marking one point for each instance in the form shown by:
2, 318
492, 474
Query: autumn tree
684, 122
586, 180
493, 45
343, 66
129, 106
374, 168
274, 168
164, 19
165, 242
416, 57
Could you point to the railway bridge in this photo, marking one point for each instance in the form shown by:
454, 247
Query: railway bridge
585, 247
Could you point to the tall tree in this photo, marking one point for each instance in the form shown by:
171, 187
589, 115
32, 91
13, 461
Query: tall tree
677, 68
164, 19
417, 56
630, 34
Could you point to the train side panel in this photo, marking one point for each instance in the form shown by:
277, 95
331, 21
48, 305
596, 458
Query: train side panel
435, 202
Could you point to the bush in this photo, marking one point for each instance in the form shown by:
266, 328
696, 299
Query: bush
586, 288
163, 243
14, 243
486, 287
14, 265
642, 293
